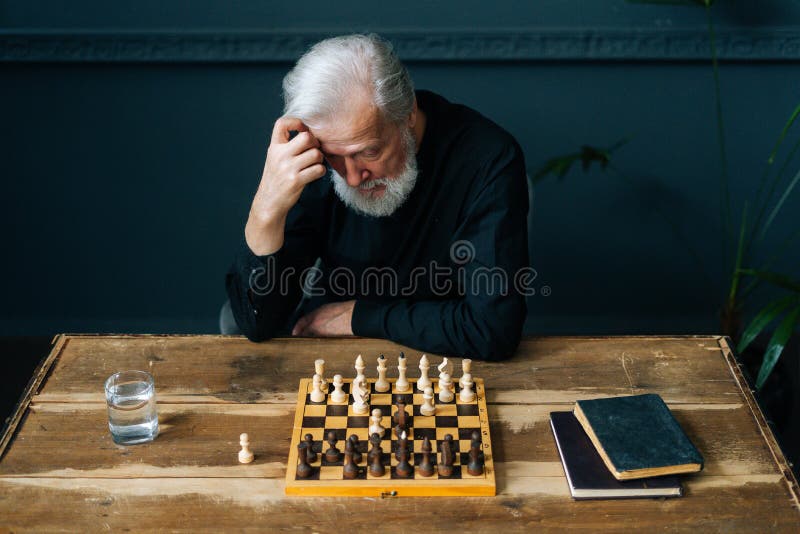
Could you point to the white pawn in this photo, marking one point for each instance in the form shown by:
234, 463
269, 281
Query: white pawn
319, 368
445, 385
375, 426
467, 395
381, 384
402, 382
466, 369
245, 456
338, 395
424, 381
427, 407
318, 390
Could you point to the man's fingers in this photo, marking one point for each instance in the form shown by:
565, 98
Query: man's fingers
300, 325
303, 142
309, 174
309, 158
282, 127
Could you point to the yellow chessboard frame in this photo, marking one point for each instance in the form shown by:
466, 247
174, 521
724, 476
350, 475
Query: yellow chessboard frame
328, 482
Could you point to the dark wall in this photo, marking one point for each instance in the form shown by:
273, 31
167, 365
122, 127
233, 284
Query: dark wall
134, 137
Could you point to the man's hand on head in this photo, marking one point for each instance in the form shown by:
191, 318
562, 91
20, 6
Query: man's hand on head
291, 164
328, 320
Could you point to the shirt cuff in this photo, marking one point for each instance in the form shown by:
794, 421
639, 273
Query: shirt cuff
368, 319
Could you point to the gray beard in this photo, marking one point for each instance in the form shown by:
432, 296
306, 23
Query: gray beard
397, 189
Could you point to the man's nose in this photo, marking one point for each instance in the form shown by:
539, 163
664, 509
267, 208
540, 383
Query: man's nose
354, 174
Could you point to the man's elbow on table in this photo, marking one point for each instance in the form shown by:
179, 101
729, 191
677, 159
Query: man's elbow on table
500, 331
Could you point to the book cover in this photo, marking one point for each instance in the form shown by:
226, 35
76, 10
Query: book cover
637, 436
587, 475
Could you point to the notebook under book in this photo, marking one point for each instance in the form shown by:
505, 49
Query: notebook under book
637, 436
588, 476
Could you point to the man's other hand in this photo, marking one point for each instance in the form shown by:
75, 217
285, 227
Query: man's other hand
328, 320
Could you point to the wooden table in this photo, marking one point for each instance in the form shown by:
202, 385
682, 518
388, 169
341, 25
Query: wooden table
61, 471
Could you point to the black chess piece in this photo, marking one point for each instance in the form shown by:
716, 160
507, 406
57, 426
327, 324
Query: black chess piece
400, 417
425, 467
304, 470
476, 440
475, 465
404, 469
402, 444
446, 463
451, 446
375, 457
356, 453
332, 454
312, 455
350, 469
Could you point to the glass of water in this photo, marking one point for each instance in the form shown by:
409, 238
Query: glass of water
131, 398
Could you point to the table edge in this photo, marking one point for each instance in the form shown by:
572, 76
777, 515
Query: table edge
778, 457
40, 374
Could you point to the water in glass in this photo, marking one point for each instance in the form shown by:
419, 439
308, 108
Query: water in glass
132, 416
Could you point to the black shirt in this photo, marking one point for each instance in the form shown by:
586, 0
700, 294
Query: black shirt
429, 276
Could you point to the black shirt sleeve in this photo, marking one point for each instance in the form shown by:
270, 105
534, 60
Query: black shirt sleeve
265, 290
485, 322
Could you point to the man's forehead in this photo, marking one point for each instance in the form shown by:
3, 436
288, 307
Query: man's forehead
361, 125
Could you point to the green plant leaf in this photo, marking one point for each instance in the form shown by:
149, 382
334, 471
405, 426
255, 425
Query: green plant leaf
780, 203
559, 166
777, 279
762, 319
776, 345
785, 130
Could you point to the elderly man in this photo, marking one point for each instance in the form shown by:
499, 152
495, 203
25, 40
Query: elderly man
398, 214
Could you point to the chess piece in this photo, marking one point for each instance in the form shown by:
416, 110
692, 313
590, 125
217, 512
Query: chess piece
445, 465
451, 447
360, 395
401, 417
424, 381
381, 384
403, 469
425, 467
356, 453
466, 369
375, 426
401, 386
245, 456
304, 470
375, 440
446, 393
350, 469
333, 454
317, 391
402, 444
319, 369
375, 457
475, 465
360, 367
467, 395
338, 396
309, 441
427, 407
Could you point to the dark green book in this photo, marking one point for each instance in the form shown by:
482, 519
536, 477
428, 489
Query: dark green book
638, 437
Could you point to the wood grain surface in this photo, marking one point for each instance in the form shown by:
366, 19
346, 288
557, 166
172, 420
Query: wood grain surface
61, 471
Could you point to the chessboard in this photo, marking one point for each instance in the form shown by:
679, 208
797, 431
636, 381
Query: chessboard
457, 418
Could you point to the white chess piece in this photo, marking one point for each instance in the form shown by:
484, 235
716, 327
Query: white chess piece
466, 369
319, 368
360, 396
467, 395
360, 367
245, 455
402, 382
318, 390
381, 384
427, 407
446, 393
424, 381
338, 395
375, 426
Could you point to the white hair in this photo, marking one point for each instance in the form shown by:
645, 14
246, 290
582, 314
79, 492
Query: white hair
326, 78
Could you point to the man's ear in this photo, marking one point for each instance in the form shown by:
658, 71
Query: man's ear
412, 117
